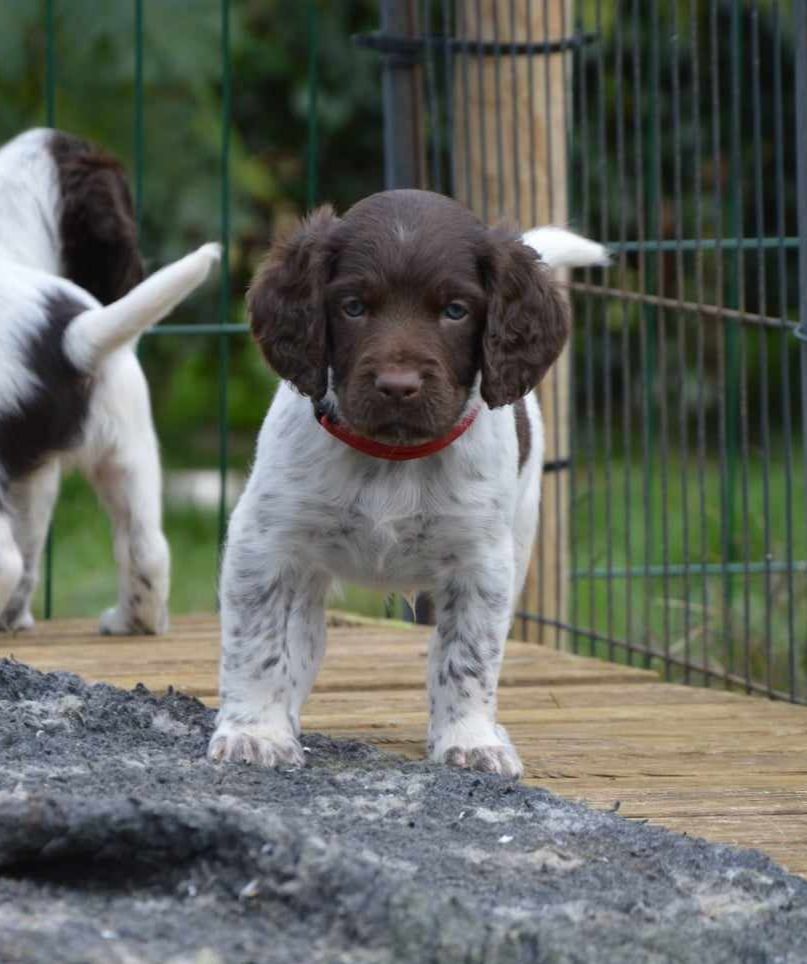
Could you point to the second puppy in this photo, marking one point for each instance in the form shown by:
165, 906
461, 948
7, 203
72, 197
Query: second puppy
72, 392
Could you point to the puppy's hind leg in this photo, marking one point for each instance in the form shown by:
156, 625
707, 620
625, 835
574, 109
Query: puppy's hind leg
32, 499
273, 641
11, 564
122, 463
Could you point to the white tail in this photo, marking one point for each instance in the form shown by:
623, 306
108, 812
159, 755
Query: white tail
92, 335
560, 248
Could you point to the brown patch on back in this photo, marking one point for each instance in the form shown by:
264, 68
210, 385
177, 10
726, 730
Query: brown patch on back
523, 432
98, 229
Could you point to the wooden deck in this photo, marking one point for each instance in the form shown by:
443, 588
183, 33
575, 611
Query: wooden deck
729, 768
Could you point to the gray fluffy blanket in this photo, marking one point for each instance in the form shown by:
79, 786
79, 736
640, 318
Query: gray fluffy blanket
119, 842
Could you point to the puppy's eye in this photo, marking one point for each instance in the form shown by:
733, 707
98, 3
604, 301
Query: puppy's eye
455, 311
354, 307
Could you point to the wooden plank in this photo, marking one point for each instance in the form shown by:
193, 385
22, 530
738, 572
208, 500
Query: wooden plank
187, 659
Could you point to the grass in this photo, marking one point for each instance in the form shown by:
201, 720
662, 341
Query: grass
630, 527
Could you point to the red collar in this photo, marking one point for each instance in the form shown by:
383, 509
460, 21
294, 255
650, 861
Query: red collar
396, 453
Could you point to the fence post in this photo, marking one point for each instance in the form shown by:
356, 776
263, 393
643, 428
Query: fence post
404, 143
510, 122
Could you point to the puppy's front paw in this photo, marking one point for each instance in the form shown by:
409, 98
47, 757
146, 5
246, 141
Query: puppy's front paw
114, 622
497, 758
16, 622
264, 746
489, 753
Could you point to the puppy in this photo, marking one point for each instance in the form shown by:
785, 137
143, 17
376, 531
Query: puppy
71, 389
403, 451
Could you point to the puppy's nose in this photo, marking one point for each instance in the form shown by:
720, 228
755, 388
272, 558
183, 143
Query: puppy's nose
398, 383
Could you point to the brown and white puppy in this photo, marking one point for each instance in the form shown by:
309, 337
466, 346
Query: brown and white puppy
403, 451
71, 389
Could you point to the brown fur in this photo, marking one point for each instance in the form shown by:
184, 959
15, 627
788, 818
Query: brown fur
523, 432
406, 255
98, 228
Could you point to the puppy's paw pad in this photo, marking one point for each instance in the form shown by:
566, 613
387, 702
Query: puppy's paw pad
115, 623
241, 747
497, 758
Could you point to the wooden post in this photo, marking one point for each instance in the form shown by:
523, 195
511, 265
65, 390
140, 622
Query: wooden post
510, 116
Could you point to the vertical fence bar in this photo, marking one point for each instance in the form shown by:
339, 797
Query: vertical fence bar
655, 285
801, 155
50, 120
591, 453
139, 110
626, 374
448, 80
602, 229
433, 100
801, 183
514, 93
481, 96
645, 319
725, 527
784, 343
464, 30
681, 326
493, 21
312, 148
224, 290
50, 63
763, 340
661, 333
701, 342
404, 149
735, 298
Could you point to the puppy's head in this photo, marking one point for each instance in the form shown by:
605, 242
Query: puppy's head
97, 224
406, 300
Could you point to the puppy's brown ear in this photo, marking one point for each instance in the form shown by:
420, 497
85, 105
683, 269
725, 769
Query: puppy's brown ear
98, 228
287, 304
527, 323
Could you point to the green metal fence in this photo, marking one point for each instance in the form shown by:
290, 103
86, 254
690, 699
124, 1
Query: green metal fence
675, 132
685, 540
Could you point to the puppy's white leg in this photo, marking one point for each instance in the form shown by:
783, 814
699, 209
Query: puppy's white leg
465, 656
32, 499
11, 564
122, 463
273, 641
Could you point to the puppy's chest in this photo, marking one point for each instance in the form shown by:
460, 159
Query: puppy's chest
382, 550
388, 536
